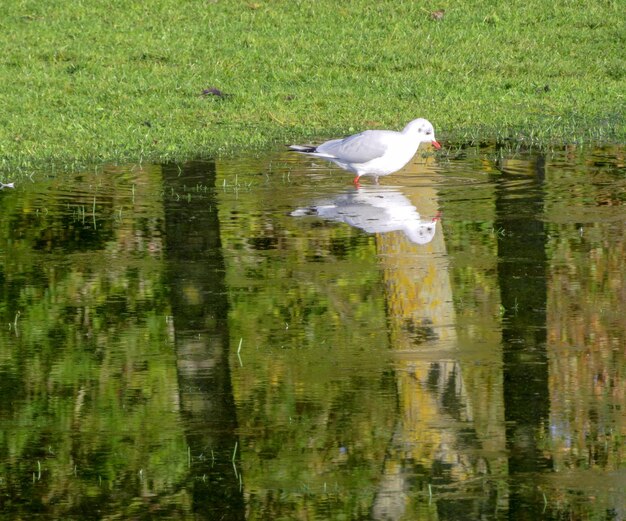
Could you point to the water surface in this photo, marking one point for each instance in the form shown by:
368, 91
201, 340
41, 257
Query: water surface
258, 339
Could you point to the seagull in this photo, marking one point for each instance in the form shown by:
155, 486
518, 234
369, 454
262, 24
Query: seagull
374, 209
374, 152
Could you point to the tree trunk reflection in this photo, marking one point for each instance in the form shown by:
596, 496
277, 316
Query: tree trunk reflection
199, 308
522, 281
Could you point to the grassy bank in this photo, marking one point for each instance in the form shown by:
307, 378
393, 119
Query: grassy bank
85, 81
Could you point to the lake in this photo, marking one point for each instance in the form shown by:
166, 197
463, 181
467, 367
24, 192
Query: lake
258, 339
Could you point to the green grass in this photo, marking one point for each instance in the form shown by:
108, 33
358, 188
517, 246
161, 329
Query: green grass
90, 81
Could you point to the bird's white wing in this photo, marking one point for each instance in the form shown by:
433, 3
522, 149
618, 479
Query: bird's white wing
360, 148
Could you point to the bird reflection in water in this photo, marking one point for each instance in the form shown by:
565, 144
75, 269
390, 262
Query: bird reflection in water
374, 209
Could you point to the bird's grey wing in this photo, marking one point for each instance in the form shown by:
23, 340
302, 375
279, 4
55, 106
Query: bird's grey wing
359, 148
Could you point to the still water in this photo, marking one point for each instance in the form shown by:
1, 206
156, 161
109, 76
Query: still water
258, 339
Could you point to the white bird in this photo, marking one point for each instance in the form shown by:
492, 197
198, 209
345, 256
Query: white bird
374, 210
374, 152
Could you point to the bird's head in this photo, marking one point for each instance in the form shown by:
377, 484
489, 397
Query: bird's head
423, 130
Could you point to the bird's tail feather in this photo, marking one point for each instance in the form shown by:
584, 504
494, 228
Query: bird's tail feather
303, 148
299, 212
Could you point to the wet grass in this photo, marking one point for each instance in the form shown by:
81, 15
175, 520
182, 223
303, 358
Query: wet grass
88, 81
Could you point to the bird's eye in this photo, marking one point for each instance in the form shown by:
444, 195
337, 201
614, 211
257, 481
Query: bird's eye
428, 132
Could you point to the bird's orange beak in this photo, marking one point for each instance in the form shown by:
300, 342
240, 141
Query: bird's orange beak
436, 144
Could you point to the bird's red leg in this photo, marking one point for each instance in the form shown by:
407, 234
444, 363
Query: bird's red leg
356, 181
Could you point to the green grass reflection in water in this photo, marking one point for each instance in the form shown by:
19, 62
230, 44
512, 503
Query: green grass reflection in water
177, 342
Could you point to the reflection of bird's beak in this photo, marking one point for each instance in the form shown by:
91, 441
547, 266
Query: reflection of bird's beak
436, 144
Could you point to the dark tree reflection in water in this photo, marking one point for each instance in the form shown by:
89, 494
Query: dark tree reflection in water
199, 300
523, 294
